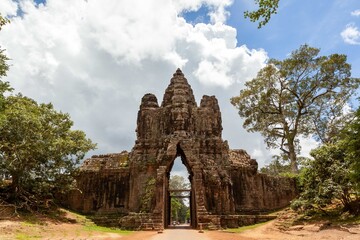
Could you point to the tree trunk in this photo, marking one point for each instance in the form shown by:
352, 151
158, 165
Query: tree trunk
292, 157
15, 180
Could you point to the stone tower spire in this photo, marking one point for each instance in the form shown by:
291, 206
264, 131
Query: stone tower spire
178, 92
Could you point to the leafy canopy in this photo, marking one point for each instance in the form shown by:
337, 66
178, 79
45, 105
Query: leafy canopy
334, 173
39, 150
302, 95
4, 67
351, 142
179, 210
263, 14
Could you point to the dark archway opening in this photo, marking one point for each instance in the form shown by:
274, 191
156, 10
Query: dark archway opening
180, 209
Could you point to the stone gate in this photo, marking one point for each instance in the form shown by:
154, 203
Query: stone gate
134, 186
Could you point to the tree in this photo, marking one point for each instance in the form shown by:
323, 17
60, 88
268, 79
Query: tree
352, 144
292, 97
277, 167
178, 206
39, 151
263, 14
4, 67
333, 174
326, 178
178, 182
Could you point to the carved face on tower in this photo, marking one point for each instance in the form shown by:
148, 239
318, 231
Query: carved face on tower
179, 117
179, 114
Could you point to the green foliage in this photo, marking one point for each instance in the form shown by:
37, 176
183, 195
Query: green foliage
39, 151
179, 211
3, 21
147, 199
327, 178
277, 167
178, 182
352, 142
263, 14
4, 67
301, 95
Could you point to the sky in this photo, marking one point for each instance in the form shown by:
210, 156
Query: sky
95, 59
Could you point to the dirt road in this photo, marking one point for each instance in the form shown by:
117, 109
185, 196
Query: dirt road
269, 231
180, 234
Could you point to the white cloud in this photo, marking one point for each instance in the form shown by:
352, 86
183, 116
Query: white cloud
351, 34
217, 8
8, 8
96, 59
356, 13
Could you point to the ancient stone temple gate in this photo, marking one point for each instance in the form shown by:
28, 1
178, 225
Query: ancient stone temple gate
134, 187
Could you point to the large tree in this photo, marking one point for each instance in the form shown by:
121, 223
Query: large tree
295, 97
39, 150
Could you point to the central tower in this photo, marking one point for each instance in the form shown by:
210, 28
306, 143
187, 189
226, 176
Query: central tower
180, 128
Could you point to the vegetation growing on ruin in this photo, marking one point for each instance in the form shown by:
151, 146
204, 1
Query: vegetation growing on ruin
148, 196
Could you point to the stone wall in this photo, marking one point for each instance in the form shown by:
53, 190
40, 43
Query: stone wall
255, 192
103, 185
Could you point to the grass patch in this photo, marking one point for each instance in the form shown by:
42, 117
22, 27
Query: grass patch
28, 224
333, 217
95, 228
89, 226
23, 236
244, 228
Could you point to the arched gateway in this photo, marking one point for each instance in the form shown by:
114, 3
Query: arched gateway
132, 189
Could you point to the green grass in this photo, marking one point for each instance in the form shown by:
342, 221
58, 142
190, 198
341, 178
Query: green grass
333, 217
91, 227
28, 224
244, 228
95, 228
22, 236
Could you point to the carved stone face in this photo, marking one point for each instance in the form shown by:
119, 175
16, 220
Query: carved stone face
179, 117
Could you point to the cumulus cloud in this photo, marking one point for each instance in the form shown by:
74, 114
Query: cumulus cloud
96, 59
351, 34
356, 13
217, 8
8, 8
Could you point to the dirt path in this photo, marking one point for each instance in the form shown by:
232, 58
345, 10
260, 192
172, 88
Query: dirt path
184, 234
319, 231
269, 231
180, 234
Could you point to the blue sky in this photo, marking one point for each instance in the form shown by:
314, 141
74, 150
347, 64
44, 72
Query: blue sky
318, 23
95, 59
